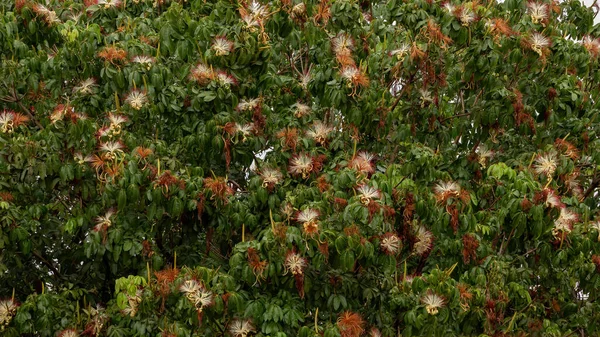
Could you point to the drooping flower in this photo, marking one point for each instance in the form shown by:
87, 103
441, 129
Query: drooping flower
390, 244
136, 99
86, 87
221, 46
545, 164
539, 12
432, 302
133, 303
424, 241
240, 328
350, 324
294, 263
319, 132
368, 194
301, 164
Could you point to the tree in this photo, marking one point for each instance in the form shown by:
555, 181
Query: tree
318, 168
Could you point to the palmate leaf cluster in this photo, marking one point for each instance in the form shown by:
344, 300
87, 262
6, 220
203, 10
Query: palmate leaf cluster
287, 168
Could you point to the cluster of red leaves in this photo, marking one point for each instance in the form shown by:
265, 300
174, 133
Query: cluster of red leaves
289, 138
470, 245
113, 55
519, 112
350, 324
258, 266
168, 180
218, 188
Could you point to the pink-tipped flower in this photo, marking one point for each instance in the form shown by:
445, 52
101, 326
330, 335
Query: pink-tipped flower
433, 302
539, 12
240, 328
368, 194
225, 79
221, 46
294, 263
484, 155
103, 222
136, 99
552, 199
362, 163
390, 244
81, 159
355, 76
301, 164
424, 241
111, 149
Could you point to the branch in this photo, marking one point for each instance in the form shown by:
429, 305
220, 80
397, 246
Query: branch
595, 183
47, 263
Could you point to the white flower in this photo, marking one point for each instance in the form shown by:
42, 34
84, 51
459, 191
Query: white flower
270, 177
86, 87
596, 225
189, 286
546, 164
401, 51
307, 215
565, 221
294, 263
145, 61
539, 42
301, 110
342, 44
390, 244
136, 99
240, 328
432, 302
368, 194
538, 11
248, 105
222, 46
301, 164
424, 241
467, 16
319, 132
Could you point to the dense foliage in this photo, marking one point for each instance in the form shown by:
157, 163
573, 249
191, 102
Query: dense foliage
318, 168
